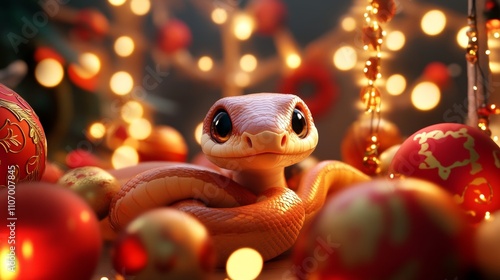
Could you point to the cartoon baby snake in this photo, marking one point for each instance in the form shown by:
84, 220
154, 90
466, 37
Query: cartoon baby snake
254, 137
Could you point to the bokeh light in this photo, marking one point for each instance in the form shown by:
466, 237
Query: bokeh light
131, 111
49, 72
248, 63
97, 130
242, 79
244, 264
293, 60
140, 129
243, 26
121, 83
425, 96
219, 15
205, 63
433, 22
348, 24
462, 38
395, 84
140, 7
395, 40
6, 273
124, 156
116, 2
124, 46
198, 131
345, 58
89, 66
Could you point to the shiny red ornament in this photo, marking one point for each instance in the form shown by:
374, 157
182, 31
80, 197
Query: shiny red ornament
173, 36
164, 243
461, 159
437, 72
386, 9
165, 143
23, 146
91, 24
51, 233
269, 15
385, 229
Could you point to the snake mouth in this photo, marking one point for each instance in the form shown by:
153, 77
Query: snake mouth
259, 160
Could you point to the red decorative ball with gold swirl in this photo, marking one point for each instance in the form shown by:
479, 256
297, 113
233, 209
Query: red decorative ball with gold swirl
23, 145
460, 158
386, 229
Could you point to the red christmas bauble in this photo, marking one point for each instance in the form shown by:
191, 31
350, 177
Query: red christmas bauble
460, 158
164, 143
437, 73
173, 36
23, 146
385, 229
269, 15
164, 244
91, 24
51, 233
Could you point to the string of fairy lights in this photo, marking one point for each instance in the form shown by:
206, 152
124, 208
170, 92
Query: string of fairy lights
242, 70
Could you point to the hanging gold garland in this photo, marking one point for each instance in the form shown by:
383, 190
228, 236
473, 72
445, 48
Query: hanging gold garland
377, 11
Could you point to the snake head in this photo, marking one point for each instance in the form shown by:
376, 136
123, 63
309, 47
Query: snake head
258, 131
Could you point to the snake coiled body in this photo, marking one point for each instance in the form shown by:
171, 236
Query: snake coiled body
255, 137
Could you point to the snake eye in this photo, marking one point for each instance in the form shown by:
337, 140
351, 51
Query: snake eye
221, 127
299, 123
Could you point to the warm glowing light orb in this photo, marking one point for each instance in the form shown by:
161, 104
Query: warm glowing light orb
140, 129
395, 40
5, 272
242, 79
248, 63
395, 84
433, 22
131, 111
425, 96
89, 65
462, 38
198, 131
124, 46
244, 264
293, 60
124, 156
140, 7
243, 26
219, 16
205, 63
348, 24
97, 130
345, 58
116, 2
49, 72
121, 83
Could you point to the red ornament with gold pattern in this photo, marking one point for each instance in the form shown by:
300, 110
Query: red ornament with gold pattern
460, 158
23, 145
385, 229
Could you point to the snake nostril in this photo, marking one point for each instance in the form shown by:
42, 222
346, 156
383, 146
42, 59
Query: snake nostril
249, 142
283, 141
